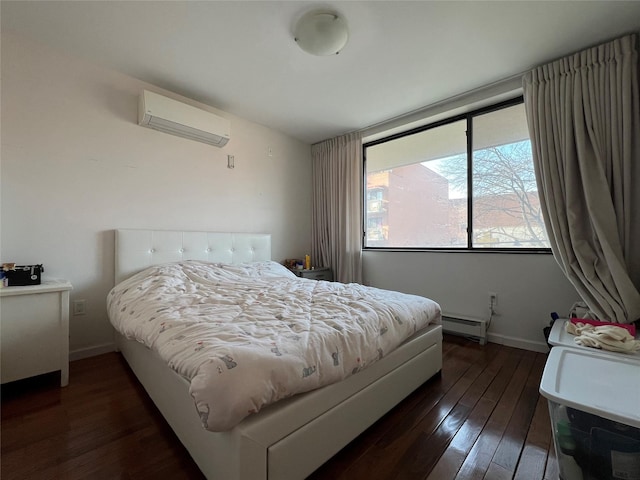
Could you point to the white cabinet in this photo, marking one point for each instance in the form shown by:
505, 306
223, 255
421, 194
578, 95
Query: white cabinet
34, 330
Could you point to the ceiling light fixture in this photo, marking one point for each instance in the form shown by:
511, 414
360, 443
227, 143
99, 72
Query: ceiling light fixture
321, 32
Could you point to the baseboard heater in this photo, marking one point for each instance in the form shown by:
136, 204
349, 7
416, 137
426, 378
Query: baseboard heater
465, 326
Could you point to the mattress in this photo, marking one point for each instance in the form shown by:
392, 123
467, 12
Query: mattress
245, 336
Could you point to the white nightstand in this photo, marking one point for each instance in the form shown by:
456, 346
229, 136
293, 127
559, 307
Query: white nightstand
34, 330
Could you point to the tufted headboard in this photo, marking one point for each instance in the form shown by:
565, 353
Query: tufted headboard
139, 249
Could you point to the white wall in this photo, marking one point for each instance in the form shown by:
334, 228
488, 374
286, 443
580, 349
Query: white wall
529, 288
75, 166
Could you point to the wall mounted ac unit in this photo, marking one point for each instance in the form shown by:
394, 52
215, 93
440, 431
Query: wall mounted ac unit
177, 118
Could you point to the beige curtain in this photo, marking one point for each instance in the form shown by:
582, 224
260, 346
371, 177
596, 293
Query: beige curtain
336, 228
584, 122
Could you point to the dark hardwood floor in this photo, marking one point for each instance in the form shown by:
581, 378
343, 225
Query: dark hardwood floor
481, 418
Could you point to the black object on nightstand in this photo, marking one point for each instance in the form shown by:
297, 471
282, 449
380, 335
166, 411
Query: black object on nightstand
320, 273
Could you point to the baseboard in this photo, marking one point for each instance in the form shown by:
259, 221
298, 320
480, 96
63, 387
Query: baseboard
87, 352
540, 347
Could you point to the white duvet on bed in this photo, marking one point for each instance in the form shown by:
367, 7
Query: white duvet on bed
248, 335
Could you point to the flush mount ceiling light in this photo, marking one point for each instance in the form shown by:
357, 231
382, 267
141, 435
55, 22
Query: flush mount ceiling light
321, 32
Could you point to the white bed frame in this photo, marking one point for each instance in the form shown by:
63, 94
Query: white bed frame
292, 438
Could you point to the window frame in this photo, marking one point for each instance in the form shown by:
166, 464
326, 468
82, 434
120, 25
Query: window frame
468, 117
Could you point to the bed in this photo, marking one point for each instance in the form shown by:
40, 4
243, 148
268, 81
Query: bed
292, 437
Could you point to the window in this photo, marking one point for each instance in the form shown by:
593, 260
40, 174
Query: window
464, 183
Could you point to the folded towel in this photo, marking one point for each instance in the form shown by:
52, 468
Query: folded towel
596, 323
605, 337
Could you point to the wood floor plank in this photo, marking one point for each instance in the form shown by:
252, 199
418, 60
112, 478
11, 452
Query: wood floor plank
498, 358
534, 455
346, 457
481, 454
497, 472
424, 453
456, 362
383, 456
493, 382
104, 426
438, 427
88, 426
511, 444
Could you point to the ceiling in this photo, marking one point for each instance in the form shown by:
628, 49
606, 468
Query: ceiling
240, 56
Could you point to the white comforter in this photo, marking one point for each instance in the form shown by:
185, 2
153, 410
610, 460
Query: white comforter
248, 335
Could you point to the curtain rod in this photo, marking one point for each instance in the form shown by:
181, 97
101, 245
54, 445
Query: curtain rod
446, 101
449, 100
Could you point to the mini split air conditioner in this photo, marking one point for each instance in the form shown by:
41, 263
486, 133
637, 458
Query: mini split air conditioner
177, 118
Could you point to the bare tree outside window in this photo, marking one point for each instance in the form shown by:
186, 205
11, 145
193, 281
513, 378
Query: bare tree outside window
506, 206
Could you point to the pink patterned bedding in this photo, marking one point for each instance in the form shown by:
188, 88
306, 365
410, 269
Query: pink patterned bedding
248, 335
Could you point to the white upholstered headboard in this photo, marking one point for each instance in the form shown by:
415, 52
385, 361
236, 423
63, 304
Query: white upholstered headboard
139, 249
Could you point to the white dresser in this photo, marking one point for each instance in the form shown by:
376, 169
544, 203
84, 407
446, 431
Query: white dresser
34, 330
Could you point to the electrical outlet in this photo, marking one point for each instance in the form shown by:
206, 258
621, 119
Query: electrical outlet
79, 307
493, 299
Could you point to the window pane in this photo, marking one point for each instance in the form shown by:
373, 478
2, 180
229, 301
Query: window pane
416, 190
506, 206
